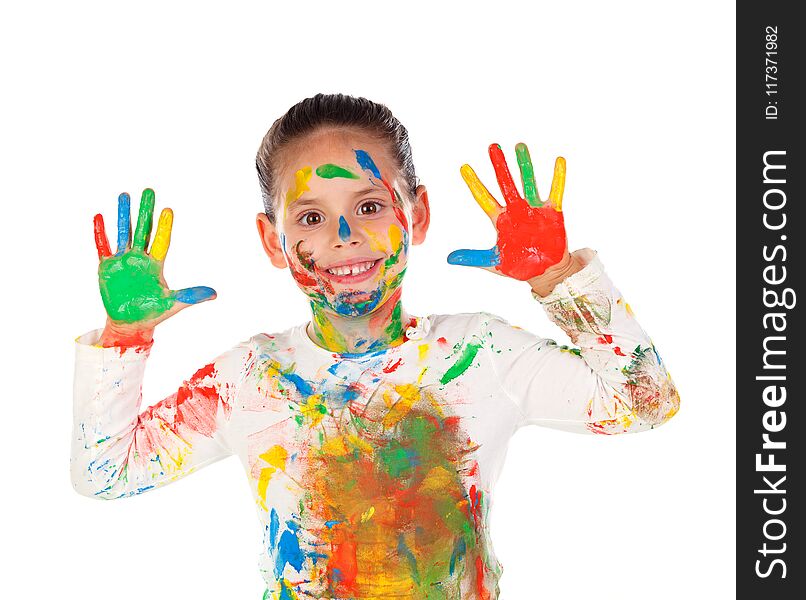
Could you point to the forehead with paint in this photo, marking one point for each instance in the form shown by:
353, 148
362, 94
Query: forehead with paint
343, 219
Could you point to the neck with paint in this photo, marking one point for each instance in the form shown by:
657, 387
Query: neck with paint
383, 328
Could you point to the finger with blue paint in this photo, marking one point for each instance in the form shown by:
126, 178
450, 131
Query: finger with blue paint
124, 224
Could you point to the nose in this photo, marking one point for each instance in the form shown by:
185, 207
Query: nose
344, 235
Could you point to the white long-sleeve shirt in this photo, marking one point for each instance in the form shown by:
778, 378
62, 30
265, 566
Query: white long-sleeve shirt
373, 474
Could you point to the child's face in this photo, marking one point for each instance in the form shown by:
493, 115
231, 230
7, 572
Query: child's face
343, 223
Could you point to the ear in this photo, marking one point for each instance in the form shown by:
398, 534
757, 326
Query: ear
270, 238
420, 216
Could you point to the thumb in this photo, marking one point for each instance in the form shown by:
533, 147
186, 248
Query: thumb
194, 295
184, 298
475, 258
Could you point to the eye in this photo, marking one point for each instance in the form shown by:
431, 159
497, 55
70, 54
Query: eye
310, 218
369, 208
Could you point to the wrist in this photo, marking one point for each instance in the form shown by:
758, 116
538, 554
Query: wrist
543, 284
125, 335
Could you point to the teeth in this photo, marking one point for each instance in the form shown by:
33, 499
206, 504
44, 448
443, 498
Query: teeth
352, 269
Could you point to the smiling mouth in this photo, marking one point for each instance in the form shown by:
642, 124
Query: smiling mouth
352, 273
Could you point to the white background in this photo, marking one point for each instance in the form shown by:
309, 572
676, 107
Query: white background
100, 98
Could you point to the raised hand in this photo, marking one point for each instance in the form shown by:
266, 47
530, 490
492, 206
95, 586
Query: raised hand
531, 233
132, 285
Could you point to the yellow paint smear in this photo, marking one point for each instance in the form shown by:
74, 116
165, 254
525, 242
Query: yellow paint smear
311, 410
276, 456
395, 237
301, 179
162, 238
367, 515
409, 394
374, 243
437, 482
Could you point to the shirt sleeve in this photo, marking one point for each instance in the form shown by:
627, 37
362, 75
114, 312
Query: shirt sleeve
118, 451
613, 381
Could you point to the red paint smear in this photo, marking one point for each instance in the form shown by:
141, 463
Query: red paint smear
475, 502
138, 341
196, 404
390, 367
502, 174
101, 241
401, 216
198, 416
530, 239
451, 424
605, 339
443, 343
342, 566
481, 590
618, 351
302, 278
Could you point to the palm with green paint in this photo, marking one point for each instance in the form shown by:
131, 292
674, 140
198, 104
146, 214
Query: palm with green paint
131, 281
531, 234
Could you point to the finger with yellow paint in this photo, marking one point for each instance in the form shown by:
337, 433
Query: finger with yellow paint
558, 184
485, 199
162, 238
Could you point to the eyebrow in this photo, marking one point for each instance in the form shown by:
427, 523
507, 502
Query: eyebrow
307, 200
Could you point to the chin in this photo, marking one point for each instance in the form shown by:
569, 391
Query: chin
356, 303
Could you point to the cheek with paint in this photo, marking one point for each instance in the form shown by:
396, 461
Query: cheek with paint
397, 235
394, 243
301, 263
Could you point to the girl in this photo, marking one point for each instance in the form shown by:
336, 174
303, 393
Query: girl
372, 438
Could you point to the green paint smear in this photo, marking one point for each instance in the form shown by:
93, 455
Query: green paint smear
395, 326
394, 257
395, 460
131, 288
527, 176
330, 171
460, 366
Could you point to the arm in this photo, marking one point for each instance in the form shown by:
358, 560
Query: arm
118, 451
614, 382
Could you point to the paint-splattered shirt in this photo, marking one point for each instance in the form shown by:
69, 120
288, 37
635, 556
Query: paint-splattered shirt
373, 474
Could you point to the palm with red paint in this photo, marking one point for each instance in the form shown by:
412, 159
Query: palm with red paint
531, 233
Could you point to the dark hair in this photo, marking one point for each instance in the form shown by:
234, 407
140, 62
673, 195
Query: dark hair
319, 112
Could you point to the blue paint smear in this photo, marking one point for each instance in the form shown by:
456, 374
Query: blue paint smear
274, 528
475, 258
195, 295
366, 162
344, 229
367, 354
404, 550
286, 593
288, 551
344, 306
459, 550
305, 388
124, 222
333, 368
